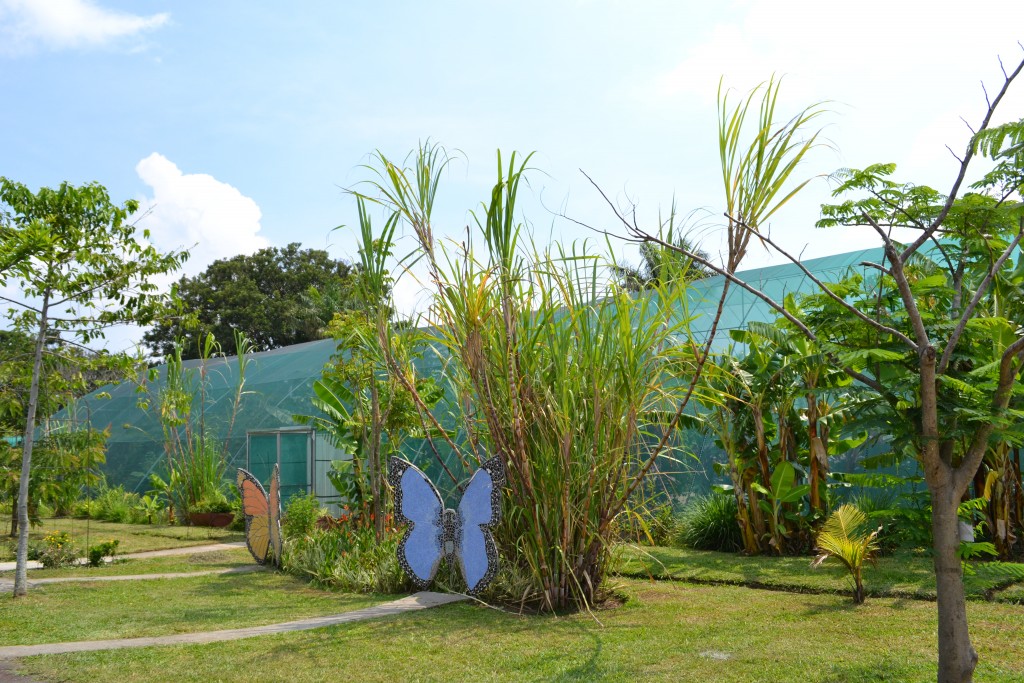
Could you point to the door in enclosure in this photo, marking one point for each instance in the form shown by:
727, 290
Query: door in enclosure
291, 449
294, 451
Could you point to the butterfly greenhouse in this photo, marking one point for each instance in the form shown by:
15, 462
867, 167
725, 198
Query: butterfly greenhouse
279, 384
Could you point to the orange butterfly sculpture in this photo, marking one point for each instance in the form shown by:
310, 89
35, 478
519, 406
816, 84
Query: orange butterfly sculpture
262, 516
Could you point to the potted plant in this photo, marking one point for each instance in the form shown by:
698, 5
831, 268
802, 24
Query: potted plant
215, 511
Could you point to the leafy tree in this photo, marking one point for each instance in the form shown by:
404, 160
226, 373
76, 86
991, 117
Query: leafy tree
80, 269
275, 297
908, 333
68, 373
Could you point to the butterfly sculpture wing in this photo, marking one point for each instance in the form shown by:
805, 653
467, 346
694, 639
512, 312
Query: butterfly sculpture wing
479, 511
274, 515
256, 509
417, 504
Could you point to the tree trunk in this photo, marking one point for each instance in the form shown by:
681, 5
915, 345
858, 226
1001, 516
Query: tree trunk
815, 449
21, 565
957, 658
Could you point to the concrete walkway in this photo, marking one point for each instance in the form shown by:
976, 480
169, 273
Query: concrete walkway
417, 601
8, 584
169, 552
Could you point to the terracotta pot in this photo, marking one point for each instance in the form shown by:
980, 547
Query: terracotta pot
215, 519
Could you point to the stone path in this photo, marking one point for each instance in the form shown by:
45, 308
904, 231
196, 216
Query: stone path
8, 584
417, 601
169, 552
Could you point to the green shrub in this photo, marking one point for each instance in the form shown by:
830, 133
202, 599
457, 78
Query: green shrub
346, 558
117, 505
215, 501
238, 523
300, 516
101, 550
647, 524
85, 509
709, 523
58, 550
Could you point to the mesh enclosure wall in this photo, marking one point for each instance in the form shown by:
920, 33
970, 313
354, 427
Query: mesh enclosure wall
279, 385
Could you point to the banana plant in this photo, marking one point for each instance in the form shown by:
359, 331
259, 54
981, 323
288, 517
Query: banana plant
784, 491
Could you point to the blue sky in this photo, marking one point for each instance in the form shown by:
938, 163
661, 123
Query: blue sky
237, 123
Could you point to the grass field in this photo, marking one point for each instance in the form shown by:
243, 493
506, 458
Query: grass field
901, 575
699, 627
127, 609
220, 559
133, 537
665, 631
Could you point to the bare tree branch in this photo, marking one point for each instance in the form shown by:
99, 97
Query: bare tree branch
937, 221
838, 299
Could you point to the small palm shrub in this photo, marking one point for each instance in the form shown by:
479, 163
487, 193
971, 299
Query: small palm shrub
709, 523
847, 537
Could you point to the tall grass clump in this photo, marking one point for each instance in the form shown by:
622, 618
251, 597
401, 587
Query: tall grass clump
573, 383
709, 523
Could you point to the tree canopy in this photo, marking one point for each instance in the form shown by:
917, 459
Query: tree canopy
276, 297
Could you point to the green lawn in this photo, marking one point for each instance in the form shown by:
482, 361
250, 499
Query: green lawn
899, 575
666, 631
219, 559
126, 609
133, 537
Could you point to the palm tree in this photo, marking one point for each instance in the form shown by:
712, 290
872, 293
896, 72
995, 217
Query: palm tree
660, 264
847, 538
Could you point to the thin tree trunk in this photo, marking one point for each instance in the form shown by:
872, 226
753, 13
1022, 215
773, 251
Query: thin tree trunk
957, 658
20, 576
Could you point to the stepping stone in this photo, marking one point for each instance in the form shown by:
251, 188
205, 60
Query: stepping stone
414, 602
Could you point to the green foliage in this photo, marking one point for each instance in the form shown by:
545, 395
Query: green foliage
116, 505
709, 523
754, 173
196, 459
79, 268
300, 516
364, 397
647, 522
275, 297
660, 265
347, 557
572, 386
847, 537
101, 550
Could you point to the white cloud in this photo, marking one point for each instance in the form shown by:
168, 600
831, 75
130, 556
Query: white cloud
198, 212
68, 24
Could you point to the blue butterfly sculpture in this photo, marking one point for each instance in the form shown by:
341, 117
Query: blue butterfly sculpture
463, 536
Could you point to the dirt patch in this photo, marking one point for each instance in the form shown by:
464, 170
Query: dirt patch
8, 675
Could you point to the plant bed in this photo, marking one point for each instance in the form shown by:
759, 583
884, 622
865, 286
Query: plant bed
217, 520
